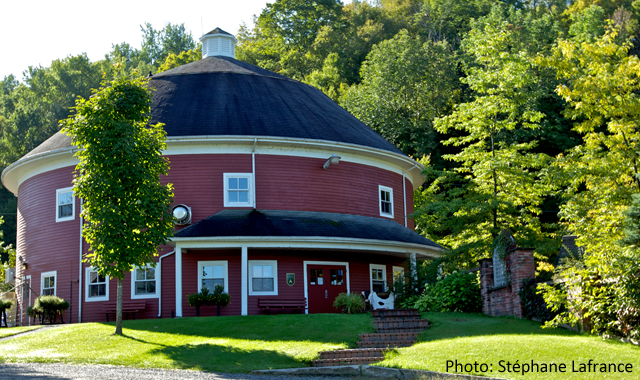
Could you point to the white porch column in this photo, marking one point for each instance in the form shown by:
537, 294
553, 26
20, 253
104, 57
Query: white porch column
244, 276
178, 281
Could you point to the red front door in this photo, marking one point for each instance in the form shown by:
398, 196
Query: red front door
324, 283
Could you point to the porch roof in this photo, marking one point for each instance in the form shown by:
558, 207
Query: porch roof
280, 223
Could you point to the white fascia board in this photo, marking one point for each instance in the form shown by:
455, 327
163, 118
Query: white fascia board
309, 242
28, 167
25, 168
218, 35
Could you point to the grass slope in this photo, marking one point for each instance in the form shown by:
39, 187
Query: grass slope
4, 332
220, 344
471, 338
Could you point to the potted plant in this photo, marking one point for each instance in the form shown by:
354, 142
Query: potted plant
199, 299
4, 306
219, 298
50, 307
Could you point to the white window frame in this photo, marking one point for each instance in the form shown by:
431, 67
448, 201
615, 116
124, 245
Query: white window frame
87, 298
390, 191
53, 274
384, 275
225, 273
133, 284
73, 205
249, 177
274, 265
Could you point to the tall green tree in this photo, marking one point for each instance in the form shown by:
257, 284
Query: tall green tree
125, 205
495, 183
406, 84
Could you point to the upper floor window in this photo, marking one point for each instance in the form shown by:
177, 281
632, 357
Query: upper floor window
48, 283
238, 190
65, 204
386, 201
143, 282
97, 286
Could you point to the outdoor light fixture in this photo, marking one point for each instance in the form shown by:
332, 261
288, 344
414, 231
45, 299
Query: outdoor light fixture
24, 266
182, 214
334, 159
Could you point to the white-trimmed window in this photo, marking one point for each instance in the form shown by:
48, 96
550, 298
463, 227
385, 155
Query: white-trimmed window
263, 277
48, 283
212, 273
386, 201
96, 286
65, 205
143, 282
378, 279
238, 190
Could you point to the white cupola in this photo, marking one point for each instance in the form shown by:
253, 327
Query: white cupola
218, 43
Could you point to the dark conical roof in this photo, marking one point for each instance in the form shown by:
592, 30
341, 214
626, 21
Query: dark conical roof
221, 96
224, 96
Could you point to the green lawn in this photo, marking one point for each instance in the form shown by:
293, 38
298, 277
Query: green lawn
471, 338
8, 331
242, 344
220, 344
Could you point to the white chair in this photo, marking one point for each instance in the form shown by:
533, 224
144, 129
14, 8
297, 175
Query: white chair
379, 303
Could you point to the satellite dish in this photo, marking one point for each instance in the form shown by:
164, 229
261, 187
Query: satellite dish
182, 215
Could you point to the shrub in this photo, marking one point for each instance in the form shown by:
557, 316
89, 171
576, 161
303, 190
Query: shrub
5, 305
533, 304
351, 303
50, 307
456, 292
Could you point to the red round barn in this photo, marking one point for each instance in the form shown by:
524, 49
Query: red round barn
281, 196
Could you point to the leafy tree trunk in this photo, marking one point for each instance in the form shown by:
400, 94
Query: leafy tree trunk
119, 309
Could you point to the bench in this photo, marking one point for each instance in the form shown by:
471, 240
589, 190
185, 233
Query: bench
282, 304
127, 307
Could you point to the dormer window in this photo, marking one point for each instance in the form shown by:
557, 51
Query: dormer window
65, 204
238, 190
386, 201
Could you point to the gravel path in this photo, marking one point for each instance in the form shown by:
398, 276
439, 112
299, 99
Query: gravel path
56, 371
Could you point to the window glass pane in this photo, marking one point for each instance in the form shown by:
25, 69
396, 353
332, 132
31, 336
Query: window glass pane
141, 287
151, 287
233, 196
233, 183
151, 273
93, 277
216, 282
243, 183
207, 272
101, 278
140, 274
257, 271
207, 284
46, 282
52, 282
262, 284
243, 196
64, 211
102, 290
217, 271
267, 271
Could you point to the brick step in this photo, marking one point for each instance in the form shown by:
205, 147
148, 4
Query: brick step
401, 337
400, 324
386, 313
402, 330
386, 344
344, 361
353, 353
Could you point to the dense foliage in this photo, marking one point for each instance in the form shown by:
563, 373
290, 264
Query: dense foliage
459, 291
350, 303
48, 308
205, 298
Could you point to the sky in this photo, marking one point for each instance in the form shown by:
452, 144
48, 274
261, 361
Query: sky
38, 32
